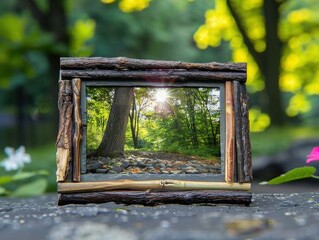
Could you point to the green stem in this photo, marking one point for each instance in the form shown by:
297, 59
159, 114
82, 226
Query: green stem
316, 177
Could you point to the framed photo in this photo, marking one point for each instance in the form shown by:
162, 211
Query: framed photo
151, 132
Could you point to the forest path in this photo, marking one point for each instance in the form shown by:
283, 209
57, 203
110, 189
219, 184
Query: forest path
137, 162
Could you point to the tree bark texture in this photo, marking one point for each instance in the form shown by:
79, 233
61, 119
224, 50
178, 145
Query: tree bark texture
157, 197
113, 140
77, 137
64, 139
167, 76
243, 152
122, 63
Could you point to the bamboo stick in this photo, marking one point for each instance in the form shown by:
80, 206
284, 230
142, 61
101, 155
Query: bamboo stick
149, 185
76, 84
230, 134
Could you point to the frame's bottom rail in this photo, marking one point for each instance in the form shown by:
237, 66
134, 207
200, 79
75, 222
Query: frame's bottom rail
157, 197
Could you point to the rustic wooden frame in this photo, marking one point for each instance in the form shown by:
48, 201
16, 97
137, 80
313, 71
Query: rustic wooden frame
76, 188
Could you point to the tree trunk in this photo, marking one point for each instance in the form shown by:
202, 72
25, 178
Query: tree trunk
21, 115
53, 21
133, 123
271, 64
268, 61
112, 144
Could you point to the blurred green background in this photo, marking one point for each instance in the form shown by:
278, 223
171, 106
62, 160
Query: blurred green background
278, 39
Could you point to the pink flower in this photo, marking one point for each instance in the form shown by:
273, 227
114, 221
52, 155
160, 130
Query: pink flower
314, 155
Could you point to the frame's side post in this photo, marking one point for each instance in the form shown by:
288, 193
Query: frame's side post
64, 139
238, 131
245, 137
230, 133
76, 85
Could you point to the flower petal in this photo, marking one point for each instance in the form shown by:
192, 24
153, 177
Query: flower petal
313, 156
9, 151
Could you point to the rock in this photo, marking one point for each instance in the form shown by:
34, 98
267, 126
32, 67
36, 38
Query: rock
117, 169
125, 164
92, 166
192, 171
101, 170
141, 165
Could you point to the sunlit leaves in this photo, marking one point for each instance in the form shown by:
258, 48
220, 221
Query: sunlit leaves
81, 33
219, 25
298, 104
12, 27
258, 120
130, 5
289, 83
298, 29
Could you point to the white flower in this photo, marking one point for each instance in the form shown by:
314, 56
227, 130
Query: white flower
15, 159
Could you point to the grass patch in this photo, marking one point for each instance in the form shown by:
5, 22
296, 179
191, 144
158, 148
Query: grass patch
276, 139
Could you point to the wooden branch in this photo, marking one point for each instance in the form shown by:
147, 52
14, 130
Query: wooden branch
247, 167
76, 85
158, 197
230, 133
150, 185
238, 130
154, 75
64, 139
122, 63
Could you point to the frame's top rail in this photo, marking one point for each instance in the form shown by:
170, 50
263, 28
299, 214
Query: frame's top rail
123, 63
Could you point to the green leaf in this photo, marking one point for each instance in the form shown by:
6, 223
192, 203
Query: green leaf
34, 188
25, 175
5, 179
3, 191
294, 174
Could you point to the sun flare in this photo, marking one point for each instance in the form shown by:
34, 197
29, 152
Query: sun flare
161, 95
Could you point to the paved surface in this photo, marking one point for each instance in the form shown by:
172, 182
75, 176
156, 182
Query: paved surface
270, 216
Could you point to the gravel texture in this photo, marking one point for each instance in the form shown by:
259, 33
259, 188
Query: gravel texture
270, 216
139, 162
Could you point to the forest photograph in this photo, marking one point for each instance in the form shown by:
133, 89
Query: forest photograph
153, 130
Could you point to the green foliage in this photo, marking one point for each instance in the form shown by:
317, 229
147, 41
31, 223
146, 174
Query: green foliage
34, 188
23, 184
181, 120
98, 108
276, 139
244, 28
292, 175
81, 32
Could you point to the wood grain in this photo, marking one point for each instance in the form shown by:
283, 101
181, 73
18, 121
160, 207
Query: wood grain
64, 138
157, 197
123, 63
168, 184
77, 137
170, 75
230, 133
247, 161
